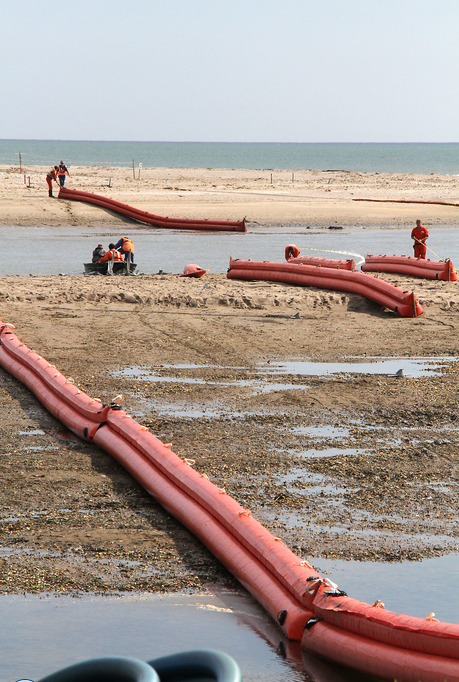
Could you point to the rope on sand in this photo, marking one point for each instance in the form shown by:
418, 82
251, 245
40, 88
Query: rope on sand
409, 201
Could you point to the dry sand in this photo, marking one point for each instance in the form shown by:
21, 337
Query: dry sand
72, 519
315, 198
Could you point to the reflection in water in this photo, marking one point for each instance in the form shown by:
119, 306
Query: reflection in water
393, 583
41, 635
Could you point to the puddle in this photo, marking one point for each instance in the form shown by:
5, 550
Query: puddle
415, 588
258, 382
332, 452
147, 626
143, 374
321, 431
187, 411
414, 367
315, 485
8, 552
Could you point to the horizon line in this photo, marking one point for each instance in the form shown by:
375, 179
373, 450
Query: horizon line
26, 139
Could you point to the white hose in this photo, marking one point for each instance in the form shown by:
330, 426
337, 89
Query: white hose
345, 253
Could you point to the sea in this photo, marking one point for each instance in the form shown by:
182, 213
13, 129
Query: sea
424, 158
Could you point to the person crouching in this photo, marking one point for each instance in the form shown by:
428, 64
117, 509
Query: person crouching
126, 246
50, 176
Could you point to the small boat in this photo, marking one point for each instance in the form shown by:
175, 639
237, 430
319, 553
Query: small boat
119, 268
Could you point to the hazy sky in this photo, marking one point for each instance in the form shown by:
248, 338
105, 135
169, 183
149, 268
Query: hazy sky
230, 70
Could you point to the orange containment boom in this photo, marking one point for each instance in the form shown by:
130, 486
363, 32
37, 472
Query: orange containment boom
408, 201
151, 218
324, 262
306, 606
415, 267
402, 302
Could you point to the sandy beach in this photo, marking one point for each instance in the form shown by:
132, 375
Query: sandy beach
192, 359
313, 198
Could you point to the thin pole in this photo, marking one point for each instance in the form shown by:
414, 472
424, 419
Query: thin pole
20, 163
133, 169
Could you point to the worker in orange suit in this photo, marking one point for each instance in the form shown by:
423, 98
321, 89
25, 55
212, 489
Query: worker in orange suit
419, 234
52, 175
125, 245
110, 253
291, 251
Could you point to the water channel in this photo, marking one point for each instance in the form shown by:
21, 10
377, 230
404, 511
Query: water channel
40, 635
63, 250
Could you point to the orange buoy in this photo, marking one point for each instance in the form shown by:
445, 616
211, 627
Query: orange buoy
193, 270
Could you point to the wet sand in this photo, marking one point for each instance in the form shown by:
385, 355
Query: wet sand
265, 197
73, 520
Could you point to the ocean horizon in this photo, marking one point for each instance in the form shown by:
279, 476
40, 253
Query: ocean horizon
361, 157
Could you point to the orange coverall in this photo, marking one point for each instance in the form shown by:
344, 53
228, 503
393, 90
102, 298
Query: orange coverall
419, 234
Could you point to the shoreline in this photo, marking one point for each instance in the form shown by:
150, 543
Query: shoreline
316, 199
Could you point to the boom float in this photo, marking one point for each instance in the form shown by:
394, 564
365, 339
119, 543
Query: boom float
307, 607
151, 218
324, 262
415, 267
402, 302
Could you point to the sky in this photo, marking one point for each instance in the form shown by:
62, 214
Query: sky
230, 70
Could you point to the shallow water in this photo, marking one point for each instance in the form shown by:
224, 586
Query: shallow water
415, 367
183, 374
257, 386
40, 635
63, 250
415, 588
